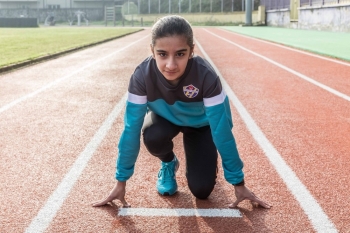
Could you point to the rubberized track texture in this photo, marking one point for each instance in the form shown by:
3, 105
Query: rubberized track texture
61, 121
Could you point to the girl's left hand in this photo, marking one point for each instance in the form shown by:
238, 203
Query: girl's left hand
243, 193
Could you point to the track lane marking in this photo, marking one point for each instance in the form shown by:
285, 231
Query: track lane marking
47, 86
45, 215
331, 90
288, 48
150, 212
312, 209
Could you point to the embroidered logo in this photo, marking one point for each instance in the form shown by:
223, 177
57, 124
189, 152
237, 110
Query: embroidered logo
190, 91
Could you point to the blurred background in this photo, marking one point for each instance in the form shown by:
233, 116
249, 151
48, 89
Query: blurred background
307, 14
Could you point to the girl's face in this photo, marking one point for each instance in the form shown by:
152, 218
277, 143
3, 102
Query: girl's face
172, 54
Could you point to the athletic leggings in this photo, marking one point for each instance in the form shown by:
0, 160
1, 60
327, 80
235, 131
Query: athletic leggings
200, 151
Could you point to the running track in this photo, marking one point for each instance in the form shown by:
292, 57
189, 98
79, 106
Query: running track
61, 121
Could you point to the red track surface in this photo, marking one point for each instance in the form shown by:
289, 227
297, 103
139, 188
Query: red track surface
42, 135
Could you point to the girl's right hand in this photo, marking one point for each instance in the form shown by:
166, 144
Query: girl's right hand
243, 193
118, 192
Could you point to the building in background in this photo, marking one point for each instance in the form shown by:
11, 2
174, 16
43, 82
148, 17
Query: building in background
331, 15
144, 6
55, 4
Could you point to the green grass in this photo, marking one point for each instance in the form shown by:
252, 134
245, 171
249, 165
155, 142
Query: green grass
23, 44
332, 44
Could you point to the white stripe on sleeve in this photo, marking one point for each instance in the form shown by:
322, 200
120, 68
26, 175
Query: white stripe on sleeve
136, 99
215, 100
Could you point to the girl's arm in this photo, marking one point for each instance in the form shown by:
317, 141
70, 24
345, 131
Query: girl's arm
129, 146
219, 115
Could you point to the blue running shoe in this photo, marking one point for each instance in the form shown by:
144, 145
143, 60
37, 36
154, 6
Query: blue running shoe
166, 184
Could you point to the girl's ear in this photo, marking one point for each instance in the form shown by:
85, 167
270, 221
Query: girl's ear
192, 52
152, 51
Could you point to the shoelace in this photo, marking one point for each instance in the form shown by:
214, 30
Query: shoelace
166, 173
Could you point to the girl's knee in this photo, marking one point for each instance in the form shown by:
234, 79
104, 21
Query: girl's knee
201, 191
153, 140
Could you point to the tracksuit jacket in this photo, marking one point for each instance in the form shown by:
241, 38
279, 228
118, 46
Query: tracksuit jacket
197, 100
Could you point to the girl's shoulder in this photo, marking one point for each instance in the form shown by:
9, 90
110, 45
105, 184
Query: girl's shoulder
144, 68
203, 64
145, 63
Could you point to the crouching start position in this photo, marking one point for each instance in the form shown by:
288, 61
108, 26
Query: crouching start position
174, 91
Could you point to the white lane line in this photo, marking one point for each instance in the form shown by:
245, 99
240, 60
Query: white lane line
47, 86
331, 90
312, 209
286, 47
149, 212
55, 201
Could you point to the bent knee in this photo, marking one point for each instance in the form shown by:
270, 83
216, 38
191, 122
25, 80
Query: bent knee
201, 191
151, 139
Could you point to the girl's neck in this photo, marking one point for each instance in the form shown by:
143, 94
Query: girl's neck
173, 82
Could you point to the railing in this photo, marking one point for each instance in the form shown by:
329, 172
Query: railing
322, 2
285, 4
189, 6
275, 4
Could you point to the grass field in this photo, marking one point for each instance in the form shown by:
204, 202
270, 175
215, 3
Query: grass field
23, 44
332, 44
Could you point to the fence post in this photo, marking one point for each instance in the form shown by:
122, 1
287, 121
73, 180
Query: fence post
248, 13
138, 6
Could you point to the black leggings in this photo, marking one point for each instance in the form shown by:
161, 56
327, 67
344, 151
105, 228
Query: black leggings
200, 151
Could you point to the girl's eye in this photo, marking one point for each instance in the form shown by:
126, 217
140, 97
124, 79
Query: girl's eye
180, 54
162, 54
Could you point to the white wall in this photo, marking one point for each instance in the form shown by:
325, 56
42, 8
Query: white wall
327, 18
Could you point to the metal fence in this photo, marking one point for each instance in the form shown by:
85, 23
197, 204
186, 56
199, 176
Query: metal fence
285, 4
190, 6
321, 2
276, 4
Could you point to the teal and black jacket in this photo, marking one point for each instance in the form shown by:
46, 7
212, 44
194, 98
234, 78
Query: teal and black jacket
197, 100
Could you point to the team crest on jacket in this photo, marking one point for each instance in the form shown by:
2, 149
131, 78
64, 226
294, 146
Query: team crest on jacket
190, 91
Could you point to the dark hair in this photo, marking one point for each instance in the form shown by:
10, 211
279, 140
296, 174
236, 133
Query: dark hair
170, 26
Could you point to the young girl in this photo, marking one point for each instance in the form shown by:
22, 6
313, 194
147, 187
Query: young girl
174, 91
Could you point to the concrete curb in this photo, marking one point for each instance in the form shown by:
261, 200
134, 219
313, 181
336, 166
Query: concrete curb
55, 55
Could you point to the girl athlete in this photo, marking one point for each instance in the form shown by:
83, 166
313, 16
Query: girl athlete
174, 91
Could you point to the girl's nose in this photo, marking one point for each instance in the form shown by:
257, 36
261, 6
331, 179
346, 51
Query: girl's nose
171, 64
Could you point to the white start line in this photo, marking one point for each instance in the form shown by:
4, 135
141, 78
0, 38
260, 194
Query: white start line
149, 212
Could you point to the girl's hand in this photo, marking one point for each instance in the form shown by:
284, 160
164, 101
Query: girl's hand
243, 193
118, 192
